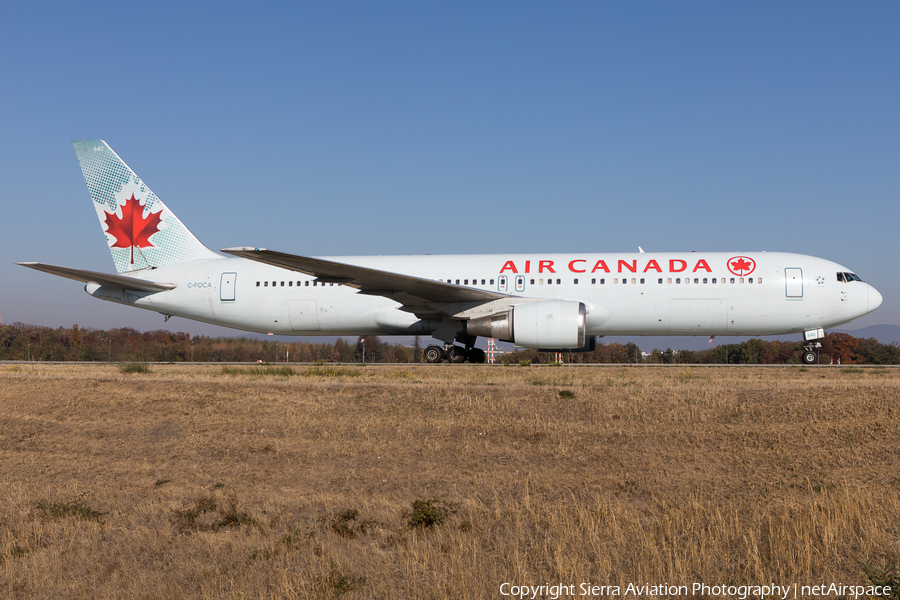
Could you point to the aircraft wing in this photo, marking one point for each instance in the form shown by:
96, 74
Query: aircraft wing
116, 281
407, 290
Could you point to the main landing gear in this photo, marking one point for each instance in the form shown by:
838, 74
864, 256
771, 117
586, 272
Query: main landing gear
454, 354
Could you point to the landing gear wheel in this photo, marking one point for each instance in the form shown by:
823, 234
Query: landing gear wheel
434, 354
810, 357
476, 356
456, 354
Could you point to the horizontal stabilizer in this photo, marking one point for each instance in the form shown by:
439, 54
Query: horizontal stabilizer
116, 281
402, 288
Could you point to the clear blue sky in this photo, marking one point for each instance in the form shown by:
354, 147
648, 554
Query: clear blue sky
413, 128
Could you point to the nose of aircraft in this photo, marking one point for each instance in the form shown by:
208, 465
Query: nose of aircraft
874, 298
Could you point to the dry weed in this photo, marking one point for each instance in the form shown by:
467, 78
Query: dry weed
199, 482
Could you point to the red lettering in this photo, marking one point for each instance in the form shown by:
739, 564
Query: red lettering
572, 267
701, 264
545, 264
528, 266
672, 268
652, 265
509, 265
600, 266
631, 267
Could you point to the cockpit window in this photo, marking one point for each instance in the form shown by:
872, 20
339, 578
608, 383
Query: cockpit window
848, 277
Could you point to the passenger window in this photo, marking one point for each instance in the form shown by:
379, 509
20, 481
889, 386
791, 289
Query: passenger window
465, 282
558, 282
615, 280
492, 282
282, 284
642, 280
759, 280
678, 280
714, 280
457, 282
299, 283
704, 280
669, 280
540, 282
696, 280
602, 281
549, 282
257, 284
532, 282
266, 284
306, 283
482, 282
732, 280
750, 280
593, 282
576, 282
633, 280
660, 280
741, 280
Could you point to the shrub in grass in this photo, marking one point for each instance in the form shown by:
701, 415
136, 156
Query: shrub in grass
134, 367
883, 576
348, 524
75, 509
427, 513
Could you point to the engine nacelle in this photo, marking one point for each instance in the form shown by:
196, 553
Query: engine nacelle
546, 324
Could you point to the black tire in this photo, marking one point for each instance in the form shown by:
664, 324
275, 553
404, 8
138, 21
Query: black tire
456, 354
476, 356
810, 357
434, 354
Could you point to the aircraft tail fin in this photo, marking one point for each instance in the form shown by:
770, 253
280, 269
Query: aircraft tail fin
140, 230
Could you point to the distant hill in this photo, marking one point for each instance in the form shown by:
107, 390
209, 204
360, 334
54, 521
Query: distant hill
885, 334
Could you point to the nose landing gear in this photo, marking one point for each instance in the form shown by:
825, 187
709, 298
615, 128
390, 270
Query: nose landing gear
810, 354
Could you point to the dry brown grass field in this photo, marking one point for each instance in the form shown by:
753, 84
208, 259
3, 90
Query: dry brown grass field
247, 482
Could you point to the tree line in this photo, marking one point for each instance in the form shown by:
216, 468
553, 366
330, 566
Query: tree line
34, 343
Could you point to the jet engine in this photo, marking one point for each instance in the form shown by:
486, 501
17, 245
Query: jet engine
546, 324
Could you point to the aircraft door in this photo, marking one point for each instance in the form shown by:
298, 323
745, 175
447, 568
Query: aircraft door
520, 283
226, 287
793, 283
502, 284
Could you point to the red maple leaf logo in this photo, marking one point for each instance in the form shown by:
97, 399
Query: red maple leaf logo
741, 265
132, 229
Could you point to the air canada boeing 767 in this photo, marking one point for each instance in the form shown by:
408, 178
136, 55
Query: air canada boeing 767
546, 301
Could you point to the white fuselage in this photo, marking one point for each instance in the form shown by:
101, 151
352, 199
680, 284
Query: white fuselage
754, 293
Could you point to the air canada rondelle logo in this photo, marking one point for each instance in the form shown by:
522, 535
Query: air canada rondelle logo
741, 265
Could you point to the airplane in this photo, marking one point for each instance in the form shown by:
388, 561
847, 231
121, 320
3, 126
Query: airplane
557, 302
